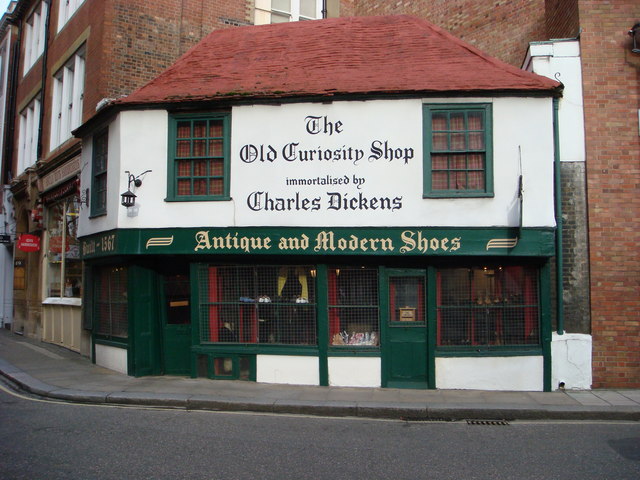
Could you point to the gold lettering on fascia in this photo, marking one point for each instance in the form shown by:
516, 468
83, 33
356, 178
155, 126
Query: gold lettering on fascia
104, 244
327, 241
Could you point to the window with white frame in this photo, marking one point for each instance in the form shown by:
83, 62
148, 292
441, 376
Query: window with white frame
68, 90
28, 141
34, 36
67, 9
280, 11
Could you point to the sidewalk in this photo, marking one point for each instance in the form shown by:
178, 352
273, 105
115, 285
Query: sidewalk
56, 373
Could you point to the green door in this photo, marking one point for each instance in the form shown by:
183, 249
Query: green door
176, 324
404, 349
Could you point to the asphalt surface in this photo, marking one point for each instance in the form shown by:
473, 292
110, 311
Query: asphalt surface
53, 372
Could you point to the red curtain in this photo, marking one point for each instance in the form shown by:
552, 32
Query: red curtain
420, 300
334, 315
438, 307
530, 313
215, 287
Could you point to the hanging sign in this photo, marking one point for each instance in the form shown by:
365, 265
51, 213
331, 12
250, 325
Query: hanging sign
55, 244
28, 243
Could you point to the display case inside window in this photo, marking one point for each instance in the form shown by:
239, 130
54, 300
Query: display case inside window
64, 272
274, 304
488, 306
353, 307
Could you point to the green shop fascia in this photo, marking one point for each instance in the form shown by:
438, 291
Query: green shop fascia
209, 302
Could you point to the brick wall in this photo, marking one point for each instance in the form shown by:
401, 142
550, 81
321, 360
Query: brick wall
144, 38
575, 249
611, 75
501, 28
562, 18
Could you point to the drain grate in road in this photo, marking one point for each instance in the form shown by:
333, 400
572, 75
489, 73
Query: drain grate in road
487, 422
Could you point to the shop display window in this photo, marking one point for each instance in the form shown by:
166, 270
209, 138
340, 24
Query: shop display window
110, 302
258, 304
64, 266
485, 306
353, 307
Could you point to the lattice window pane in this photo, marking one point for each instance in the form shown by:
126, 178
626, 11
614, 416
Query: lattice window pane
111, 307
461, 133
200, 152
487, 306
353, 307
258, 304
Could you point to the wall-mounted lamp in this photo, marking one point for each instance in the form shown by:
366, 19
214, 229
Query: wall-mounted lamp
635, 35
128, 198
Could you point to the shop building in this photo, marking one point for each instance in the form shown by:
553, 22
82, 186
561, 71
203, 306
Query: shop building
378, 215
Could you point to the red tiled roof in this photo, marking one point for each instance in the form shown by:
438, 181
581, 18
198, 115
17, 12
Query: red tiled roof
356, 55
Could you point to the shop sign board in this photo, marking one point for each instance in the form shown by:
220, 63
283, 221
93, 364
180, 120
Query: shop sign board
325, 164
5, 239
28, 243
323, 241
62, 173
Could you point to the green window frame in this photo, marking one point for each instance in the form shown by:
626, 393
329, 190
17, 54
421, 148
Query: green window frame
458, 150
199, 152
99, 160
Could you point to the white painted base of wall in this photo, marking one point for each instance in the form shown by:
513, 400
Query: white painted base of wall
354, 372
571, 361
490, 373
287, 369
112, 358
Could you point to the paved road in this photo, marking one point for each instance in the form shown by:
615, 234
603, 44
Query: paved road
42, 439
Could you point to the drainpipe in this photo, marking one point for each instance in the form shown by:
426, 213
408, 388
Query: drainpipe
558, 198
45, 53
10, 113
324, 9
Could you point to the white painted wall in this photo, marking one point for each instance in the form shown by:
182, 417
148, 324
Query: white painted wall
114, 182
522, 136
560, 60
112, 358
287, 369
490, 373
571, 361
355, 372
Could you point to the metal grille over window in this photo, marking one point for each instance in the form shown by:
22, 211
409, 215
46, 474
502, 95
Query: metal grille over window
258, 304
487, 306
200, 157
111, 312
353, 307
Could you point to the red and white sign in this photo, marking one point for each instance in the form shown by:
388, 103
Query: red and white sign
28, 243
55, 245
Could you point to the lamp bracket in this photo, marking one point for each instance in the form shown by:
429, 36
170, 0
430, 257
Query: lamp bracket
135, 179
